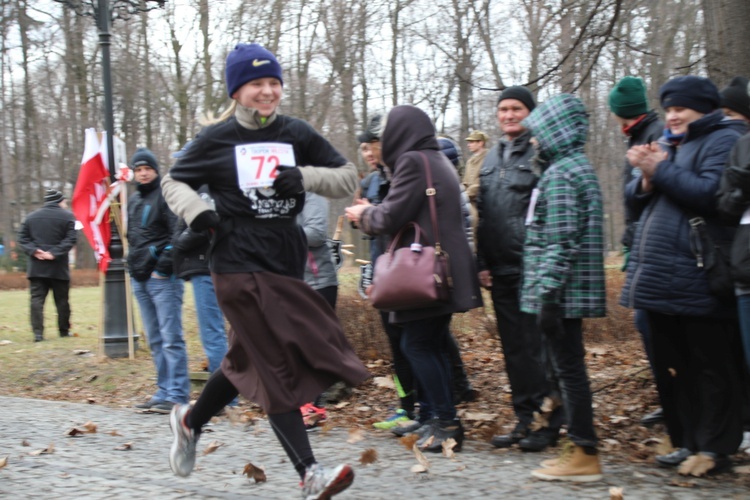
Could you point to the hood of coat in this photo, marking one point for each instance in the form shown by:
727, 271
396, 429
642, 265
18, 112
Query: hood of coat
560, 126
407, 128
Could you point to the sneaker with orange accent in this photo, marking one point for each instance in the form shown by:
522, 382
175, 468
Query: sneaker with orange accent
313, 416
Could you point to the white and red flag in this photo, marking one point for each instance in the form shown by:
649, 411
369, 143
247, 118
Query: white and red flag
89, 194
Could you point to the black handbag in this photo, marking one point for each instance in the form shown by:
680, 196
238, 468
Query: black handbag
712, 257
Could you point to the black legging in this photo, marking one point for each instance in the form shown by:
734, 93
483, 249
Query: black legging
288, 427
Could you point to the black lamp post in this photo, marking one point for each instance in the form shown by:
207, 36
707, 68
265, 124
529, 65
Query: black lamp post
115, 297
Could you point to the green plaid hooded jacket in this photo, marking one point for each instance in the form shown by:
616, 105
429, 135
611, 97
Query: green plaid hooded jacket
564, 248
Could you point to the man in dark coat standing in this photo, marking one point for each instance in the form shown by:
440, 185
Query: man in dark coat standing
506, 181
47, 235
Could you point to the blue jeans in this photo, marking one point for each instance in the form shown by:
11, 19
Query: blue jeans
160, 302
425, 344
210, 321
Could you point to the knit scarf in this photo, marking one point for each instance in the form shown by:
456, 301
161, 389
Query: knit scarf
673, 138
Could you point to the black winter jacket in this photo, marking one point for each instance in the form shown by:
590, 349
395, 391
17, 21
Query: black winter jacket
502, 203
648, 130
151, 228
734, 202
51, 228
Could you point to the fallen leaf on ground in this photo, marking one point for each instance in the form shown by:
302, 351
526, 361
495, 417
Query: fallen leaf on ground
212, 447
448, 446
46, 451
92, 378
5, 342
615, 493
255, 472
386, 382
90, 427
355, 435
114, 433
125, 447
409, 440
81, 351
682, 484
90, 401
342, 404
428, 442
75, 432
370, 455
3, 462
482, 417
696, 465
421, 458
25, 443
417, 468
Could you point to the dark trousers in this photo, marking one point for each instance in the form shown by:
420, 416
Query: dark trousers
425, 344
567, 354
697, 369
40, 287
403, 373
522, 348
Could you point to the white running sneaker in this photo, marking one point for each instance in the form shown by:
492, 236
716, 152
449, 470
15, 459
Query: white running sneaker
182, 453
321, 483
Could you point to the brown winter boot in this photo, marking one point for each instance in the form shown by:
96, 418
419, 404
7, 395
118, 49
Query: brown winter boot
576, 464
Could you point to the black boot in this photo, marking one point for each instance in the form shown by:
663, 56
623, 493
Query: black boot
439, 432
513, 437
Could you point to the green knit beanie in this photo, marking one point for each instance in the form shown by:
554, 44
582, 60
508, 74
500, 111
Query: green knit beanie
628, 98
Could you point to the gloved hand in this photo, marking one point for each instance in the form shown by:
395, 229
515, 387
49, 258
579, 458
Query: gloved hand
206, 220
549, 320
288, 182
738, 177
626, 258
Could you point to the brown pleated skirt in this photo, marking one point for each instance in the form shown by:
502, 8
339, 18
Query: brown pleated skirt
286, 345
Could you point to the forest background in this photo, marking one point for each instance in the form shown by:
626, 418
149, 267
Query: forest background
343, 61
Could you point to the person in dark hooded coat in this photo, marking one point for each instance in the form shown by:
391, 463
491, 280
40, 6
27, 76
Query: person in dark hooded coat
407, 132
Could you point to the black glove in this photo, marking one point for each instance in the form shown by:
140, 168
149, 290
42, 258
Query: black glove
206, 220
288, 182
738, 177
549, 320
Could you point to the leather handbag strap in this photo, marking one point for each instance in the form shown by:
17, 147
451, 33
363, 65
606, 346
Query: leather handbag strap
430, 192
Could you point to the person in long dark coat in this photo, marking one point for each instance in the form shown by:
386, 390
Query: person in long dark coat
408, 134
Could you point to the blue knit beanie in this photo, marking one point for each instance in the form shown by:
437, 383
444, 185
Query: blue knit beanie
250, 61
693, 92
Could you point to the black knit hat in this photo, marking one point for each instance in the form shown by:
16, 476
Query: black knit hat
693, 92
144, 156
53, 196
372, 132
520, 93
735, 96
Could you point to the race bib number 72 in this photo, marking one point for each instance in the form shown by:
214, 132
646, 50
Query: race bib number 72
257, 162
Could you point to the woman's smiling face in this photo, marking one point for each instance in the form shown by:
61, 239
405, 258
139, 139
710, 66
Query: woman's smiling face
263, 94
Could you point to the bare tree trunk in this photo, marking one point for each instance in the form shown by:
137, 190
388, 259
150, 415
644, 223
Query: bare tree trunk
727, 38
